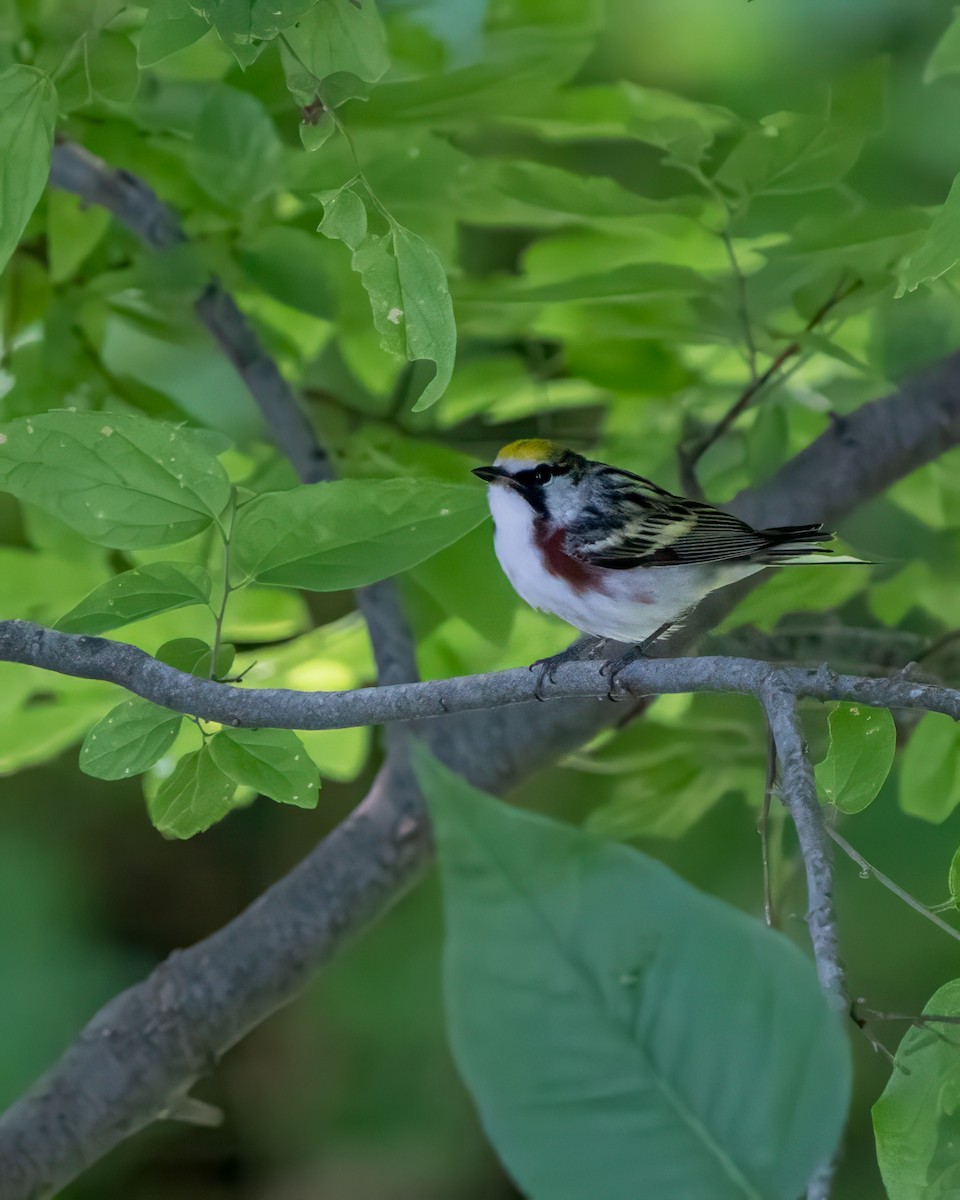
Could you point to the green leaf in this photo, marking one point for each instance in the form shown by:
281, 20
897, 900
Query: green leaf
244, 24
118, 479
408, 292
611, 1049
344, 217
171, 25
28, 112
73, 230
930, 769
236, 155
953, 878
336, 35
863, 742
112, 66
272, 761
193, 656
917, 1119
195, 796
790, 153
346, 534
939, 250
945, 59
129, 740
133, 595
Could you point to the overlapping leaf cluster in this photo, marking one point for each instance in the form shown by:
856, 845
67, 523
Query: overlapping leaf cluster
444, 244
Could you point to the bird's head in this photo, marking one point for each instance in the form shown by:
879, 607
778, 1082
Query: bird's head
547, 476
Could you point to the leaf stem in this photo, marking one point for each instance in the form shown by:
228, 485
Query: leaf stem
218, 616
887, 882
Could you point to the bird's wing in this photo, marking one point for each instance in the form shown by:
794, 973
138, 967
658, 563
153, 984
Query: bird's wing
653, 528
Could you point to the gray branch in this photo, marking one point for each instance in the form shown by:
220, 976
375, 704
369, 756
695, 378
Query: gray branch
282, 708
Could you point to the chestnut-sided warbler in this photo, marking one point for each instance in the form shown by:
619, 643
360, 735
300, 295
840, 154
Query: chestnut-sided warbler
613, 554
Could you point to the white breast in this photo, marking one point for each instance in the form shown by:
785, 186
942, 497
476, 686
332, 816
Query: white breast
628, 606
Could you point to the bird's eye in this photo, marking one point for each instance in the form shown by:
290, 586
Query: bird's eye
535, 476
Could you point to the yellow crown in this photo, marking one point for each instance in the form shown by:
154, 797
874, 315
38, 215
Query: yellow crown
533, 450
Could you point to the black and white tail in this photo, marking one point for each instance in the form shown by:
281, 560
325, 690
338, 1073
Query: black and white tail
799, 544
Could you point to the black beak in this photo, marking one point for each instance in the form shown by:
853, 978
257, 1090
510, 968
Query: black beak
489, 474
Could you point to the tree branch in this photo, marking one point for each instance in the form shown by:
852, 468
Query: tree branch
282, 708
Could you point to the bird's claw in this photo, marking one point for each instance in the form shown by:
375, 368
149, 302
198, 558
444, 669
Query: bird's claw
612, 670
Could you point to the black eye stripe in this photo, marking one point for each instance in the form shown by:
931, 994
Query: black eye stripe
534, 476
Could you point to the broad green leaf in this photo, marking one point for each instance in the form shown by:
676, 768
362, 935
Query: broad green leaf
244, 25
346, 534
945, 59
408, 292
917, 1119
35, 733
291, 265
593, 1012
236, 152
116, 478
940, 249
336, 35
863, 742
195, 796
790, 153
28, 111
112, 66
171, 25
193, 656
133, 595
273, 762
129, 740
344, 217
930, 769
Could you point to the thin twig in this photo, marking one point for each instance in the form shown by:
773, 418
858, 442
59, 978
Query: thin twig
690, 456
743, 303
888, 883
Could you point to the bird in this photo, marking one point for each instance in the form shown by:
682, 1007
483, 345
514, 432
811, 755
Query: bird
616, 556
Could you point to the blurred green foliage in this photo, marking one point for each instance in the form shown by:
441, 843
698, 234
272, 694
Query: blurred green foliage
628, 210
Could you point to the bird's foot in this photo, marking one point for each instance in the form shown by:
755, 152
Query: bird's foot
613, 667
581, 649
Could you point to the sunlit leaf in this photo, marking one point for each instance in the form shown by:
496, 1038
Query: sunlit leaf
346, 534
195, 796
407, 287
119, 479
271, 761
863, 742
790, 153
129, 740
28, 110
133, 595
